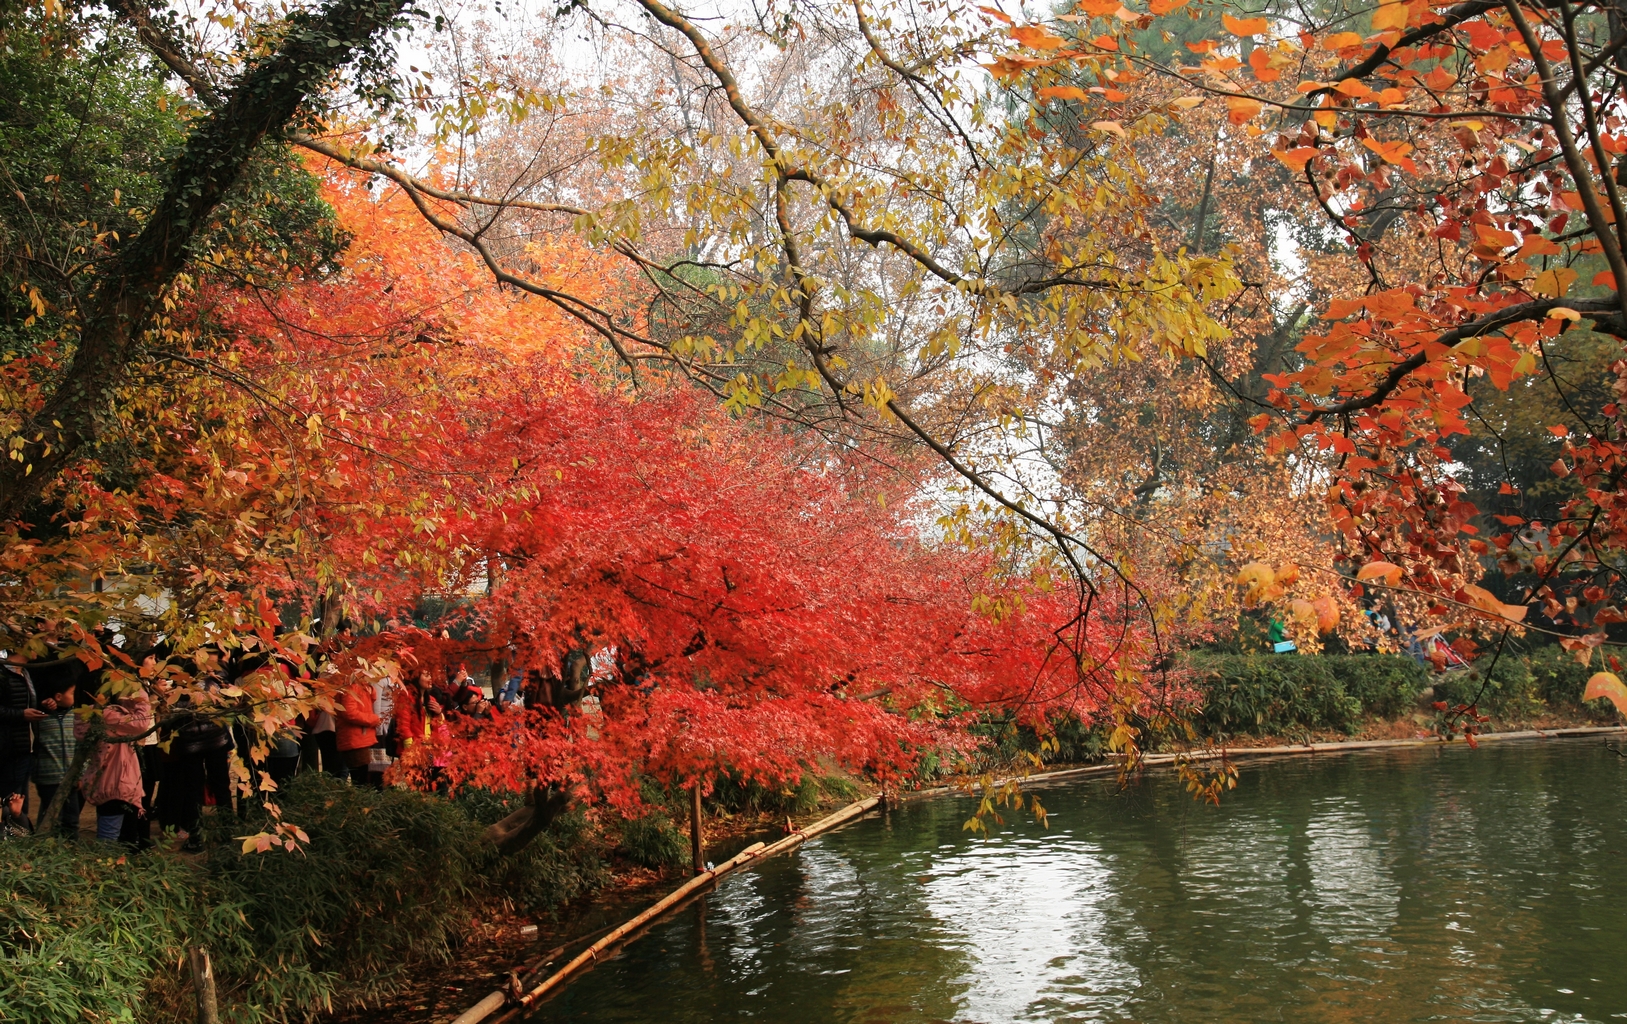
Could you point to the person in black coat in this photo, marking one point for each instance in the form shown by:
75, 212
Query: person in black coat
19, 710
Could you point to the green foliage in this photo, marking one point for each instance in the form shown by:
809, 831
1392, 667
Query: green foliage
736, 796
1290, 694
82, 930
559, 865
1005, 742
1559, 679
653, 840
384, 883
389, 881
88, 127
1522, 686
83, 120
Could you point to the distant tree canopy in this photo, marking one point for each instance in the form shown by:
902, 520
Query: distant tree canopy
1055, 333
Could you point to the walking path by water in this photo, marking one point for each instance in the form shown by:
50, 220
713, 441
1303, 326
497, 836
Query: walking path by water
1401, 885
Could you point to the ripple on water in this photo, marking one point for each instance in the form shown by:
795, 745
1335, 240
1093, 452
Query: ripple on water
1407, 885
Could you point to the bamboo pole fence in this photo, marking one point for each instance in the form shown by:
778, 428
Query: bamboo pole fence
756, 851
520, 1003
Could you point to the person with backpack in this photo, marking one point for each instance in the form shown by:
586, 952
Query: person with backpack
54, 748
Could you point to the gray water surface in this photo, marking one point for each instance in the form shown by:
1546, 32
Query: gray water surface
1408, 885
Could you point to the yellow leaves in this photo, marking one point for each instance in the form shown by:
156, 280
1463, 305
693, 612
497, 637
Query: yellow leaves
1263, 583
1303, 612
1554, 282
1609, 686
1295, 159
35, 301
1187, 102
1110, 127
1388, 572
878, 395
1240, 109
1564, 313
1392, 152
1327, 613
1340, 41
1037, 37
1390, 17
1483, 600
1258, 578
1064, 92
1244, 26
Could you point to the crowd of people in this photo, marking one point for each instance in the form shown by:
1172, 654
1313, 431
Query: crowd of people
139, 770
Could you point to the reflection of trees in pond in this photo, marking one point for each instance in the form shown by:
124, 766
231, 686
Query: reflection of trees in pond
1035, 937
1405, 887
828, 934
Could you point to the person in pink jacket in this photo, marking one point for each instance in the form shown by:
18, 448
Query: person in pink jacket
112, 779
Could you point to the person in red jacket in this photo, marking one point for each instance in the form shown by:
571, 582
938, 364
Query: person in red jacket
358, 729
420, 717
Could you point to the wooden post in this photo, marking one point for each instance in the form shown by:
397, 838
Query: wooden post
697, 844
203, 980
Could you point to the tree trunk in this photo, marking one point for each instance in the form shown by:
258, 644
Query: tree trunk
117, 315
515, 832
697, 842
76, 769
1198, 229
203, 982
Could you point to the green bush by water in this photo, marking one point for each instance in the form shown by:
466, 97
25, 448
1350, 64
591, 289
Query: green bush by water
1287, 695
1293, 695
389, 881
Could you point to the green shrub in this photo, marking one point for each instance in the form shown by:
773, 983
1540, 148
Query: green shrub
82, 930
1386, 686
389, 881
1287, 694
386, 881
1559, 679
1512, 693
653, 840
736, 795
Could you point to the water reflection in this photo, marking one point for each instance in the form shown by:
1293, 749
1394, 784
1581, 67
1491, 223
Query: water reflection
1399, 886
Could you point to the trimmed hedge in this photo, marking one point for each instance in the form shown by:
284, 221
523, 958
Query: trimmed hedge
1525, 685
1291, 694
1288, 694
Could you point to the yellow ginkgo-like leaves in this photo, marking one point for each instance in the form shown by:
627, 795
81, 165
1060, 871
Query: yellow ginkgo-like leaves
1388, 572
1609, 686
1390, 17
1484, 600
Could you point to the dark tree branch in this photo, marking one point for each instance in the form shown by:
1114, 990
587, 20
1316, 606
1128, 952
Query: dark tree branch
542, 808
167, 50
1603, 312
265, 100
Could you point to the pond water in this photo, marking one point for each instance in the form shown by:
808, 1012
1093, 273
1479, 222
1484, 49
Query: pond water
1403, 885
